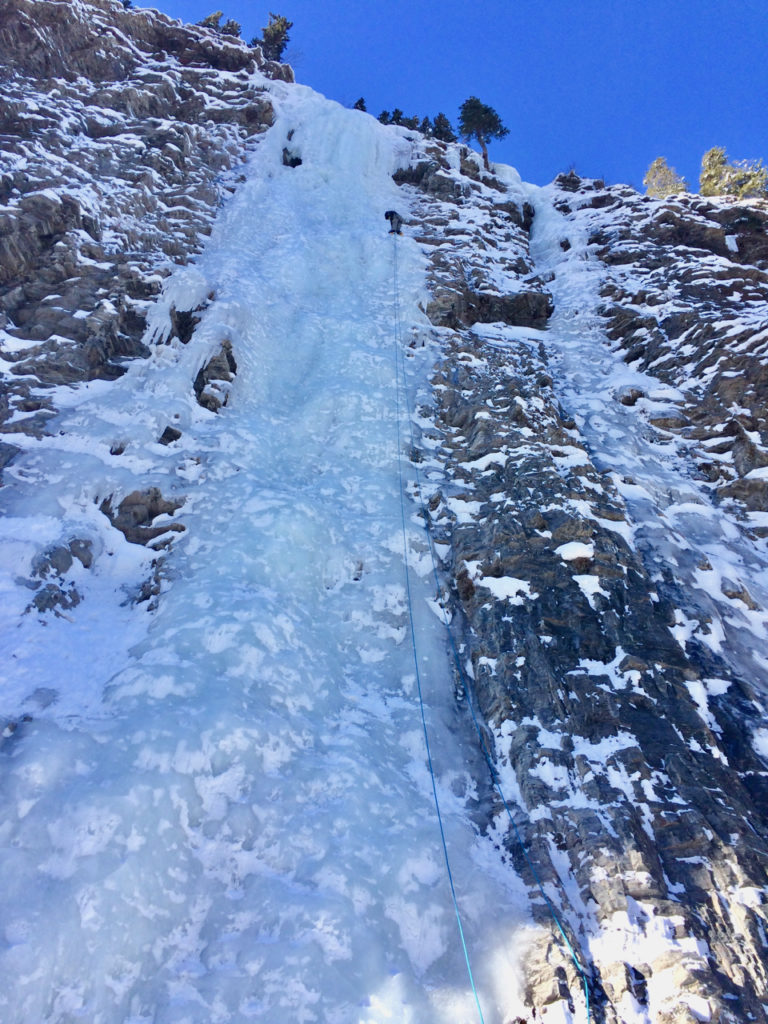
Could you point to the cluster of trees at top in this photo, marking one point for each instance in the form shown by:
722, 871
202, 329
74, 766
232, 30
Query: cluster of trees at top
273, 39
718, 177
742, 178
438, 128
477, 121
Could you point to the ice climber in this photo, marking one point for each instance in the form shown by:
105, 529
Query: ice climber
396, 222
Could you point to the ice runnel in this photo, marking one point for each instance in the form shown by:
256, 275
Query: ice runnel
244, 830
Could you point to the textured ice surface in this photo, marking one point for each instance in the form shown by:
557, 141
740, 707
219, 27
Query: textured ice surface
222, 811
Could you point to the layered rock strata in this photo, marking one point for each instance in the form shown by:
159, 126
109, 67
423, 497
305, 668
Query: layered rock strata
627, 753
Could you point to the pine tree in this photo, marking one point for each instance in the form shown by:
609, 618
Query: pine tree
360, 105
481, 122
385, 117
442, 129
274, 37
212, 21
745, 178
397, 116
750, 179
411, 122
714, 172
426, 126
662, 180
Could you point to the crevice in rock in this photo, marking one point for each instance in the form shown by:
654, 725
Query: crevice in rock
212, 383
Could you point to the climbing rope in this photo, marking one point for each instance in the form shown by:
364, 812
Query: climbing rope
463, 676
398, 344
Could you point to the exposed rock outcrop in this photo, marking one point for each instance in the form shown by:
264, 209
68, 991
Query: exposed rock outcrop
55, 592
685, 284
213, 380
121, 132
137, 515
629, 750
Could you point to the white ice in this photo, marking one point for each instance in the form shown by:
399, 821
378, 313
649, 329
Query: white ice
221, 811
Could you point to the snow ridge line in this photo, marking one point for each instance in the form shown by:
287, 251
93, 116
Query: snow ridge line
398, 348
466, 682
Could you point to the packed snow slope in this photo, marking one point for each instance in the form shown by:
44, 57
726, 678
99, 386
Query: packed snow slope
283, 497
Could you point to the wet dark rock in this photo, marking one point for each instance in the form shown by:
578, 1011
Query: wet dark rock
428, 176
569, 182
7, 453
169, 435
630, 395
522, 216
184, 322
537, 644
291, 158
136, 513
211, 382
637, 801
523, 309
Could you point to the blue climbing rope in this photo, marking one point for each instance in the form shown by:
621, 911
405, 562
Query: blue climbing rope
460, 669
415, 654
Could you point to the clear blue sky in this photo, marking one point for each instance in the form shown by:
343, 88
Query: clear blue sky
604, 86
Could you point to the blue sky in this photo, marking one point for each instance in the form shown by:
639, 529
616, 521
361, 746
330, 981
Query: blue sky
604, 86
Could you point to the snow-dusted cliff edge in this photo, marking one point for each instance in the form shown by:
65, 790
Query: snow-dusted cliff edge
216, 803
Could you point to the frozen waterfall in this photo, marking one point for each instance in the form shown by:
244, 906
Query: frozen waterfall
221, 811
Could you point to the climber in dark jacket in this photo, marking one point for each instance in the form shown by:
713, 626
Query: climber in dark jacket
396, 222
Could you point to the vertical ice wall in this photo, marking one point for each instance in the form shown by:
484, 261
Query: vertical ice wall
242, 828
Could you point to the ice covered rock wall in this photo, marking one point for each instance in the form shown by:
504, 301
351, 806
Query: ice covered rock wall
591, 449
685, 285
577, 495
120, 132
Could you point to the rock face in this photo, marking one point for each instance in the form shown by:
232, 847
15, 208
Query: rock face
685, 289
602, 647
121, 132
629, 749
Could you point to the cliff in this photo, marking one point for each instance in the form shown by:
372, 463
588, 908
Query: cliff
218, 376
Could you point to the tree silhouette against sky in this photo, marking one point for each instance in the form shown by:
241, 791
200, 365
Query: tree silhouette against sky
479, 121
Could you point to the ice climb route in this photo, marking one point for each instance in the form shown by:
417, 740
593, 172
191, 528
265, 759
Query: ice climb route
230, 810
466, 682
400, 383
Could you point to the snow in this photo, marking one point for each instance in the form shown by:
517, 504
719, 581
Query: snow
221, 810
760, 742
590, 586
575, 549
507, 588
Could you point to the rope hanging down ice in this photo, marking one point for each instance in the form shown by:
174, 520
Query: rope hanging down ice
459, 667
398, 345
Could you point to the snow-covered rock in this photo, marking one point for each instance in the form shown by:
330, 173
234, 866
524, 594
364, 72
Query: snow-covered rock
219, 374
638, 774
